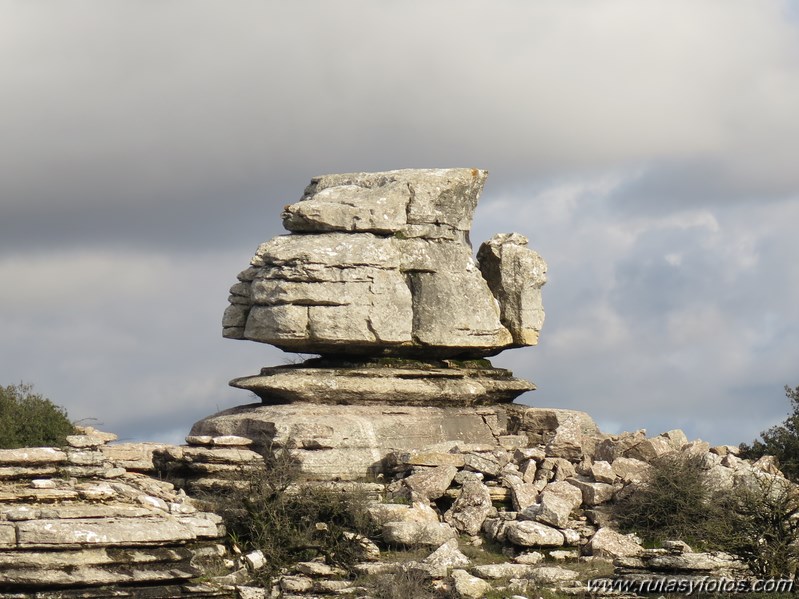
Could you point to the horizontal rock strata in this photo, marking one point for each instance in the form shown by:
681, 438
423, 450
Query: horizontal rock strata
415, 384
75, 523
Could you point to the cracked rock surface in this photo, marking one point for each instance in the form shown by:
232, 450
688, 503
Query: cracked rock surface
380, 264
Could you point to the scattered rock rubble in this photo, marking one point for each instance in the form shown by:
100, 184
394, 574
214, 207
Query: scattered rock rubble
76, 522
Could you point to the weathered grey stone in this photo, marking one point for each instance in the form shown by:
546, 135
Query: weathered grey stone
566, 433
370, 382
431, 484
381, 513
609, 543
676, 437
418, 533
457, 309
551, 509
615, 446
430, 196
503, 570
29, 456
630, 470
468, 586
523, 494
110, 532
471, 508
483, 462
445, 558
650, 449
515, 275
603, 472
427, 458
549, 575
91, 567
527, 533
348, 207
593, 493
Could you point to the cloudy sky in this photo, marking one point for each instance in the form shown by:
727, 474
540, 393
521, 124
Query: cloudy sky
648, 149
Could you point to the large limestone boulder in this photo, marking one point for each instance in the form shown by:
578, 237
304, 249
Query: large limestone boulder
350, 441
380, 264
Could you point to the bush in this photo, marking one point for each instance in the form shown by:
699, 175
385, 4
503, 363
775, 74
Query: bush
763, 525
290, 521
674, 503
780, 441
29, 420
757, 520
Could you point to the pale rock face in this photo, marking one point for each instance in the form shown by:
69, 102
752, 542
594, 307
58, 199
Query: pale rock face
515, 275
609, 543
471, 508
533, 534
468, 586
380, 264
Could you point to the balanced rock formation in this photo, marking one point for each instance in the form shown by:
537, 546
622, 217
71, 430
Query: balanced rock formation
377, 276
380, 264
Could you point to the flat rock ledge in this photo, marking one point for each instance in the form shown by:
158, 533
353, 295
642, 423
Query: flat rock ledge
350, 442
75, 522
411, 383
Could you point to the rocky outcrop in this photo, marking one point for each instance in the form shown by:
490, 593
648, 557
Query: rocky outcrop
356, 441
77, 524
381, 264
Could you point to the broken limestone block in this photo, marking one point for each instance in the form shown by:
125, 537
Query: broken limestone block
430, 484
609, 543
468, 586
471, 508
515, 275
388, 201
527, 533
418, 533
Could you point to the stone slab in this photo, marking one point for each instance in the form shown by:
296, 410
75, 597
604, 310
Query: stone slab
350, 441
369, 385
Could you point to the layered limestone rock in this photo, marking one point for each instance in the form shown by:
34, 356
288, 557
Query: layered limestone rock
381, 264
76, 523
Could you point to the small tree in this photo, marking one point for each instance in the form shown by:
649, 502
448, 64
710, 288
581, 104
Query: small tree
763, 517
781, 441
28, 419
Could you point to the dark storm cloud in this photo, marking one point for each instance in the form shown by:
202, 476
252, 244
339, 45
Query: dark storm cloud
647, 152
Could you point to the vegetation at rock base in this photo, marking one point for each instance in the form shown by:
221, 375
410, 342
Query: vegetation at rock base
763, 526
28, 419
289, 521
674, 503
781, 441
757, 520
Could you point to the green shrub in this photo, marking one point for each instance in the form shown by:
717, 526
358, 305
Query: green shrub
28, 419
291, 521
781, 441
757, 520
674, 503
763, 527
